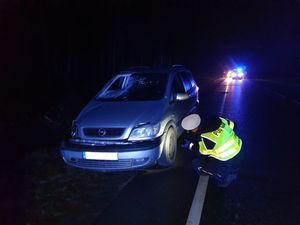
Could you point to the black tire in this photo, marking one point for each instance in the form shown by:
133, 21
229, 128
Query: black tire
168, 155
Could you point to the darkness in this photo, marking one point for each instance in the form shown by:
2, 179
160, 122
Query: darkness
50, 48
54, 50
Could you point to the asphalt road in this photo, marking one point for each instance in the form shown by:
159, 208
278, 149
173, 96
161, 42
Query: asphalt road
267, 187
38, 188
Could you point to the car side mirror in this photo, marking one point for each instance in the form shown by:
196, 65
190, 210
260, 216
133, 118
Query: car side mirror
182, 96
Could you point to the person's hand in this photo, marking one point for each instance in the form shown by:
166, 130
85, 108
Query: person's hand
185, 144
191, 145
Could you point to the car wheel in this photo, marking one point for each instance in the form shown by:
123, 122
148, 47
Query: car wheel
168, 155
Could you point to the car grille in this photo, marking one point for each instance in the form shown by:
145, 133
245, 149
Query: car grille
103, 132
102, 164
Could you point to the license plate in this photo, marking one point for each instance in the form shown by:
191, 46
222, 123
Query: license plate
100, 155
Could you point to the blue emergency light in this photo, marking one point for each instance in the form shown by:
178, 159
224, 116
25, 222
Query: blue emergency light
239, 69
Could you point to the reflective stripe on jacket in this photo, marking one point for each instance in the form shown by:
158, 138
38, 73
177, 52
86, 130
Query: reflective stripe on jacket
222, 143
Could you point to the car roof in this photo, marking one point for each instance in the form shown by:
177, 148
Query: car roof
145, 69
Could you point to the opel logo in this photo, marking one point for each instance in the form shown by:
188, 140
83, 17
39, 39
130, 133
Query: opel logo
102, 132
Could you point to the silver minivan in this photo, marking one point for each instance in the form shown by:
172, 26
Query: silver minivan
133, 122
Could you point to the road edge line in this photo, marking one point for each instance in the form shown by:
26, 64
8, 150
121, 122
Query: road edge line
198, 201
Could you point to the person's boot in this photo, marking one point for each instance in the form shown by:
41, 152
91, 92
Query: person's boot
227, 180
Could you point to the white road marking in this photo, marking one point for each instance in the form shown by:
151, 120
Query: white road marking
296, 102
224, 99
282, 96
285, 97
198, 201
199, 197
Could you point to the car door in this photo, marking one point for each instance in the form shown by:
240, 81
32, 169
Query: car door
191, 89
178, 108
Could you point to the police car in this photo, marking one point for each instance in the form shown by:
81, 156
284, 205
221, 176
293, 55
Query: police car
238, 73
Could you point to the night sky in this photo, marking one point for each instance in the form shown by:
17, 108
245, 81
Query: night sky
53, 47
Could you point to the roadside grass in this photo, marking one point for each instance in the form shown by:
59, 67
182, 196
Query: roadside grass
58, 194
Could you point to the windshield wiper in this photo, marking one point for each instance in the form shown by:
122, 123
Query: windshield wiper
117, 99
122, 98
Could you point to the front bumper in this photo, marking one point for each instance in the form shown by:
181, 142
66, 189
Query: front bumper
130, 157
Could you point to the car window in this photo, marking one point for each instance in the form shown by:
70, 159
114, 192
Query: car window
191, 78
136, 87
178, 85
117, 84
186, 79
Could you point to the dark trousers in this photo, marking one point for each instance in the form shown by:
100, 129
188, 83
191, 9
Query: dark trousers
224, 172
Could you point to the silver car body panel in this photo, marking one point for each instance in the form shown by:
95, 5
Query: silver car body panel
126, 115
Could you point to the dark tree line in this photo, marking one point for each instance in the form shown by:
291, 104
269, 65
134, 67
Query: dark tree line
52, 48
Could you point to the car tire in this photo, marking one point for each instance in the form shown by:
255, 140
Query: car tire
168, 155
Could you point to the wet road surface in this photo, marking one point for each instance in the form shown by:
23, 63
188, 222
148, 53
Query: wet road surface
266, 191
267, 188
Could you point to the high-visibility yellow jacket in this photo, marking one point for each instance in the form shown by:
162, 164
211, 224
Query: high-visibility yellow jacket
222, 144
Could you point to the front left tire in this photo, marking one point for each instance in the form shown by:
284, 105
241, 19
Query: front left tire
169, 152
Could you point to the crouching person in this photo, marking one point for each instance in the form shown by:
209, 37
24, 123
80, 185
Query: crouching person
215, 145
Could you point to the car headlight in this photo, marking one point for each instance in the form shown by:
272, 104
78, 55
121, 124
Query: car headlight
144, 132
